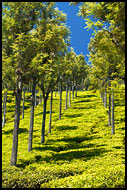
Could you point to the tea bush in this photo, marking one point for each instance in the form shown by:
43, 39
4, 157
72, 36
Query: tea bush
80, 152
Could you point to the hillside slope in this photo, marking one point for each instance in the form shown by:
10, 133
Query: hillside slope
80, 152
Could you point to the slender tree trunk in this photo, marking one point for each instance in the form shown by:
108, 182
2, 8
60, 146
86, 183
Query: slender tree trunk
69, 95
76, 90
109, 111
105, 99
73, 90
3, 101
35, 98
4, 108
40, 98
66, 95
30, 87
82, 85
43, 123
23, 103
60, 108
17, 120
31, 117
113, 127
50, 121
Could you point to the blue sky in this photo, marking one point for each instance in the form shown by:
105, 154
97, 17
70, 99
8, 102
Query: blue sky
80, 37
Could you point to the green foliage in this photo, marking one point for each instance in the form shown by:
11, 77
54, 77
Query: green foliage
79, 153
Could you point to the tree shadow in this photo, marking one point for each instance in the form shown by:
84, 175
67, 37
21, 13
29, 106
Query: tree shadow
73, 115
122, 120
79, 154
83, 101
41, 113
118, 104
68, 156
85, 107
76, 139
26, 107
78, 107
87, 96
123, 128
10, 109
65, 127
69, 146
117, 147
21, 130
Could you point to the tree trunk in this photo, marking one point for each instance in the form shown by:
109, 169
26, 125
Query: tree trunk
17, 120
23, 103
82, 85
35, 98
113, 127
105, 99
66, 96
40, 98
50, 121
30, 87
76, 90
109, 111
60, 108
73, 90
4, 108
69, 96
43, 123
31, 117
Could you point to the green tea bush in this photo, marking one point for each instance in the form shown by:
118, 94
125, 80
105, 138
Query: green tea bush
80, 152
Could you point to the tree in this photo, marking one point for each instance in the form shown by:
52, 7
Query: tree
22, 17
54, 46
4, 108
50, 120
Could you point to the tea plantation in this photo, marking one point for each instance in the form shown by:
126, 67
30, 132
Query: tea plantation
80, 151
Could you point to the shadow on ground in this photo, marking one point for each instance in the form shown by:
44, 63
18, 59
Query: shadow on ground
74, 115
65, 127
21, 130
64, 156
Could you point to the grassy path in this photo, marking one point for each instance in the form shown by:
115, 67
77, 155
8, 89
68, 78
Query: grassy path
80, 152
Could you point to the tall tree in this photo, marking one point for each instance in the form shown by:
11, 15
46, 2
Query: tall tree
50, 119
18, 19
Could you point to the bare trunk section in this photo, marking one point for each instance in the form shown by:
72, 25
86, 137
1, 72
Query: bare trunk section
16, 122
109, 111
31, 117
76, 89
4, 108
73, 90
43, 123
105, 99
113, 127
60, 108
69, 95
23, 102
66, 95
40, 98
50, 120
35, 98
